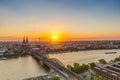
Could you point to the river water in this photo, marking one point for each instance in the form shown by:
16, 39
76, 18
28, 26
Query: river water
20, 68
84, 57
25, 67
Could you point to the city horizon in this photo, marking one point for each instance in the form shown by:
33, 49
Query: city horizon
65, 20
49, 39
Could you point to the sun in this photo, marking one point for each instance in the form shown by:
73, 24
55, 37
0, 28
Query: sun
54, 37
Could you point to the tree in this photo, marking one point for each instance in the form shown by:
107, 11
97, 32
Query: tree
92, 65
41, 78
91, 77
117, 59
102, 61
69, 67
76, 68
101, 78
55, 78
85, 67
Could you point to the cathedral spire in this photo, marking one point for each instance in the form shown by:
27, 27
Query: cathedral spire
26, 40
23, 40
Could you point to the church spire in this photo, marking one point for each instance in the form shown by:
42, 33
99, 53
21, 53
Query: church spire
26, 40
23, 39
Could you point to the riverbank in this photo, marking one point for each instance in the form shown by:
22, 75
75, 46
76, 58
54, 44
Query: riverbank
57, 52
12, 57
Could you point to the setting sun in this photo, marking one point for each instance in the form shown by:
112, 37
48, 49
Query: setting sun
54, 37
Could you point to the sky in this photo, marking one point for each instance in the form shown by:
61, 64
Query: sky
69, 19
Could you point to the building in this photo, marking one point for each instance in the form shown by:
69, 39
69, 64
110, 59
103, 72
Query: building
25, 40
111, 71
2, 51
25, 43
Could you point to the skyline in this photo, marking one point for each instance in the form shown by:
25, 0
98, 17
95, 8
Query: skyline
71, 20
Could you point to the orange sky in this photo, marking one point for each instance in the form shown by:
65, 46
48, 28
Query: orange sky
78, 20
64, 37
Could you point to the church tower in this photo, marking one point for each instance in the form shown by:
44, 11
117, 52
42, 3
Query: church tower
27, 40
23, 40
25, 44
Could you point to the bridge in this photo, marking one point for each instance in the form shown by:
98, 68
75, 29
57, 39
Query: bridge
56, 65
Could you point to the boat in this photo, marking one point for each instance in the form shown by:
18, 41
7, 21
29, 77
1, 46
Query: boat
110, 52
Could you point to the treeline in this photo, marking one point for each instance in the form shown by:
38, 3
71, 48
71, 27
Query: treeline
117, 59
102, 61
77, 68
52, 78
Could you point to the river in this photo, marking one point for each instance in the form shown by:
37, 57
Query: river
25, 67
84, 57
20, 68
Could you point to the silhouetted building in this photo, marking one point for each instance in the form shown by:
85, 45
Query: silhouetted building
25, 41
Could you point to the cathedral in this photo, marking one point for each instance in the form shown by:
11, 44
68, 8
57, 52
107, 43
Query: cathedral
25, 41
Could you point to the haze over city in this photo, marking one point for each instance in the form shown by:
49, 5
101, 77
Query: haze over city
67, 20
